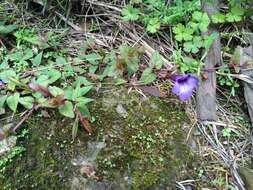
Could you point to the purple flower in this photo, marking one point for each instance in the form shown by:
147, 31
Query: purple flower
184, 85
2, 85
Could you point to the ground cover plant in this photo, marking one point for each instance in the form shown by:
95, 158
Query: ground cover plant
155, 47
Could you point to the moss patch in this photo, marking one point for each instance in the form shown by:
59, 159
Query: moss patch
144, 140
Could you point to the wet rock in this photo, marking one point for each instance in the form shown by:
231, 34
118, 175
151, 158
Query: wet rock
138, 144
121, 111
7, 144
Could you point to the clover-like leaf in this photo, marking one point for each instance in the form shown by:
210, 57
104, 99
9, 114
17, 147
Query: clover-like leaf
183, 33
130, 14
153, 25
235, 15
194, 45
218, 18
202, 19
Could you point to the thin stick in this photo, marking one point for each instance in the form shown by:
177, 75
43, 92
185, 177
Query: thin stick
24, 118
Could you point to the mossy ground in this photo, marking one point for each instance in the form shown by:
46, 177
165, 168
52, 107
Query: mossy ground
144, 147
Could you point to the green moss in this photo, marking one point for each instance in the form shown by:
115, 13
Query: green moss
46, 163
144, 147
148, 143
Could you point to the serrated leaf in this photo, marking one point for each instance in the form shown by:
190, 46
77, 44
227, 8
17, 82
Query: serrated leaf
218, 18
12, 101
130, 14
27, 101
183, 33
156, 60
153, 25
36, 61
67, 109
147, 76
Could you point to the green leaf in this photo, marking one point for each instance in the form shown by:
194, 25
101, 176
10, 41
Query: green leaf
84, 90
2, 100
60, 60
68, 93
27, 101
182, 33
130, 58
27, 54
202, 19
84, 111
55, 91
36, 61
147, 76
67, 109
156, 60
6, 29
78, 92
93, 58
218, 18
235, 14
130, 14
54, 75
194, 45
83, 101
4, 75
12, 101
93, 69
208, 41
153, 25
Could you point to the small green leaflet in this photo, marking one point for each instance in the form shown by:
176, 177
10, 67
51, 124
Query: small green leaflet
182, 33
27, 101
2, 100
55, 91
6, 29
36, 61
156, 60
92, 58
4, 75
67, 109
130, 14
194, 45
235, 15
202, 19
153, 25
218, 18
12, 101
147, 76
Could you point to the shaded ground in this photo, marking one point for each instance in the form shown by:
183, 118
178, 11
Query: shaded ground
138, 144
